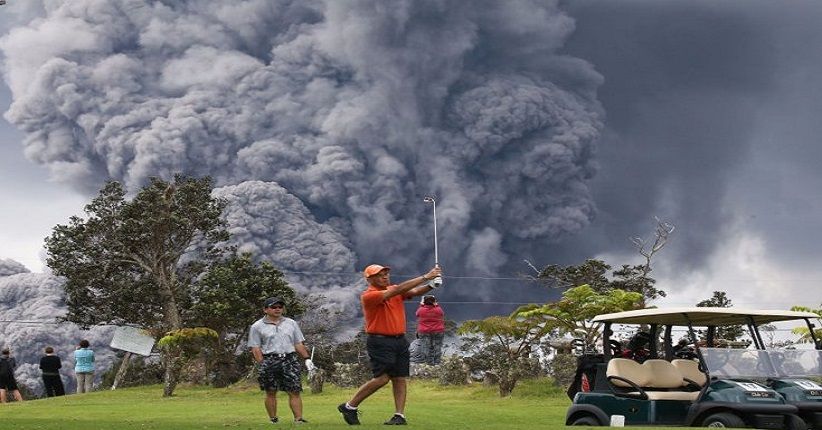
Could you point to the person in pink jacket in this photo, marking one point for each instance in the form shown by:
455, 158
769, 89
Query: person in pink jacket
431, 328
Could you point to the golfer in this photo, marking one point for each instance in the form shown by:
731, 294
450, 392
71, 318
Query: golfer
276, 343
384, 312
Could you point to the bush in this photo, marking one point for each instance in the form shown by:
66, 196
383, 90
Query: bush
141, 371
349, 375
424, 371
562, 369
453, 371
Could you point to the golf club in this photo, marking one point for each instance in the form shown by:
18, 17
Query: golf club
438, 280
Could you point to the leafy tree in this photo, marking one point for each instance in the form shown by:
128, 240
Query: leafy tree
572, 313
636, 279
133, 261
803, 332
228, 298
592, 272
504, 345
720, 300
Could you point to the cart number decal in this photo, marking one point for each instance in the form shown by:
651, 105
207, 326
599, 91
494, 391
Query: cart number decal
750, 386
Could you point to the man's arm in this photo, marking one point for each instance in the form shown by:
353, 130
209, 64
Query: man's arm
411, 287
257, 353
302, 350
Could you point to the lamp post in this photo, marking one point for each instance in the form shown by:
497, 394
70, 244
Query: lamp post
438, 279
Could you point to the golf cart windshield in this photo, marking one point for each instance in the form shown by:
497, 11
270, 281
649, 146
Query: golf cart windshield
797, 363
737, 363
757, 364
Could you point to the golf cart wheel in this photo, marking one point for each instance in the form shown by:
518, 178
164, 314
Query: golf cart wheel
793, 422
723, 420
588, 421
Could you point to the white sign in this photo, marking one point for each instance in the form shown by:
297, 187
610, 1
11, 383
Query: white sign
132, 339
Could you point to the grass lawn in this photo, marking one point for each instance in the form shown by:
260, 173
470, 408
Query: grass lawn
534, 404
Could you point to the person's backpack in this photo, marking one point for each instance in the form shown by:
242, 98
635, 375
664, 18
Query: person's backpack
5, 367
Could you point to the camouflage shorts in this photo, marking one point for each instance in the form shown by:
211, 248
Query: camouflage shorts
280, 373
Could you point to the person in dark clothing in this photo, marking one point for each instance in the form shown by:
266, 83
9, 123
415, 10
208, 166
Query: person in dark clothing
50, 366
7, 381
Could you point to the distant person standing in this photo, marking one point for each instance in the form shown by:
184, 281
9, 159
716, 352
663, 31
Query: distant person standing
50, 367
7, 381
84, 367
431, 328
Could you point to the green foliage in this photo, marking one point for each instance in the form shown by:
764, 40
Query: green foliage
562, 368
503, 346
123, 263
578, 306
188, 339
453, 371
803, 332
141, 371
720, 299
591, 272
635, 279
232, 291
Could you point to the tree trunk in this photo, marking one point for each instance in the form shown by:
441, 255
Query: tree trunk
506, 386
315, 380
173, 364
121, 372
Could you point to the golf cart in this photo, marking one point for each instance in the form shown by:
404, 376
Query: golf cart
700, 385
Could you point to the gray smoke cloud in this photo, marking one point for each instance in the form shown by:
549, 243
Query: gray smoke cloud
348, 112
30, 304
11, 267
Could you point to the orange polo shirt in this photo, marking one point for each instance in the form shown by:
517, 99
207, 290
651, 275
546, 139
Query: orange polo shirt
386, 317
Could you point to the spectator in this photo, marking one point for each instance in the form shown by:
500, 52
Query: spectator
276, 343
431, 328
84, 367
50, 367
7, 381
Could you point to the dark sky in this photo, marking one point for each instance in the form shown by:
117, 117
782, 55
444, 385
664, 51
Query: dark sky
704, 114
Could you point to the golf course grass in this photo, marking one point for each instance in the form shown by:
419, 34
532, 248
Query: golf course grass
534, 404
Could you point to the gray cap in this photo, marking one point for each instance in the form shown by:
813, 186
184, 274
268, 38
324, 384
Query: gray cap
272, 301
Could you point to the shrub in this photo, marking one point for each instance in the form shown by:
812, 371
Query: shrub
453, 371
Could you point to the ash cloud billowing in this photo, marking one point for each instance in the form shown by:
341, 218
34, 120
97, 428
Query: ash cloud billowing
325, 121
30, 304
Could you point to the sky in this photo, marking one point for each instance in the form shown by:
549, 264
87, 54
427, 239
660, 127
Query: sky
549, 131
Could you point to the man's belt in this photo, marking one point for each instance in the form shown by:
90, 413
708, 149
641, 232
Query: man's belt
389, 336
278, 355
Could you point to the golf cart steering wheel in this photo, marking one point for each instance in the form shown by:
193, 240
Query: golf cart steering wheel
616, 348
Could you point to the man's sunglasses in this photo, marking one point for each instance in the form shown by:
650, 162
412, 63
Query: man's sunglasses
276, 307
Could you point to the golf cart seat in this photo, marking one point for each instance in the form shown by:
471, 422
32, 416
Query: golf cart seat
690, 372
653, 380
666, 377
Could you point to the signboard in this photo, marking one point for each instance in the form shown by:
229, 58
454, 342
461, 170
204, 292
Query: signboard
132, 339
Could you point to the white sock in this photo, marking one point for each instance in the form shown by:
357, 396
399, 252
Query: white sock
399, 414
349, 407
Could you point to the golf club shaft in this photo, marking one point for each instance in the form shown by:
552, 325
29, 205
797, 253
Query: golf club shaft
436, 250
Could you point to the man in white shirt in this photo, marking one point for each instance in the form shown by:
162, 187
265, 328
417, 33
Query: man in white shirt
276, 343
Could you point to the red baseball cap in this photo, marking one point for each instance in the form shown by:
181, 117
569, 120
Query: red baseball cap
373, 270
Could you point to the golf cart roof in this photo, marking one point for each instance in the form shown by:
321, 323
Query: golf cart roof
702, 316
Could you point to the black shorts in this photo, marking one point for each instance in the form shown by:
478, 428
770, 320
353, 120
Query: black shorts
388, 355
8, 383
280, 373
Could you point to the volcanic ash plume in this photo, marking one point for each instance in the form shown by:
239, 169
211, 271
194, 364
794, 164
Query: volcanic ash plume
30, 304
349, 111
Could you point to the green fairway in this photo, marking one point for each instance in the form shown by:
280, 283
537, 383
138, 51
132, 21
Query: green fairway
534, 404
